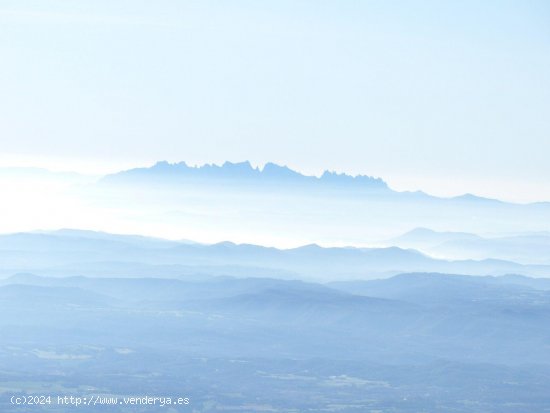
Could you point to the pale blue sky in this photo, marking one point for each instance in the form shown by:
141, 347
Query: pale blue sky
448, 97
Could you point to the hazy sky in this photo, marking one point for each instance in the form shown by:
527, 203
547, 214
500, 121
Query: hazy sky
448, 97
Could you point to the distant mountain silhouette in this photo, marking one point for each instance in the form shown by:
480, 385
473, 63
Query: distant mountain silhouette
243, 173
71, 252
276, 205
425, 237
272, 175
528, 248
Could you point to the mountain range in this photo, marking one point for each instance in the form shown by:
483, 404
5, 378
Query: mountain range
272, 205
530, 248
74, 252
243, 173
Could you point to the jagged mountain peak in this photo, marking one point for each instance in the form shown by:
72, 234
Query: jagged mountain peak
242, 172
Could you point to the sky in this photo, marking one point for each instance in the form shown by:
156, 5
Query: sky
444, 96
